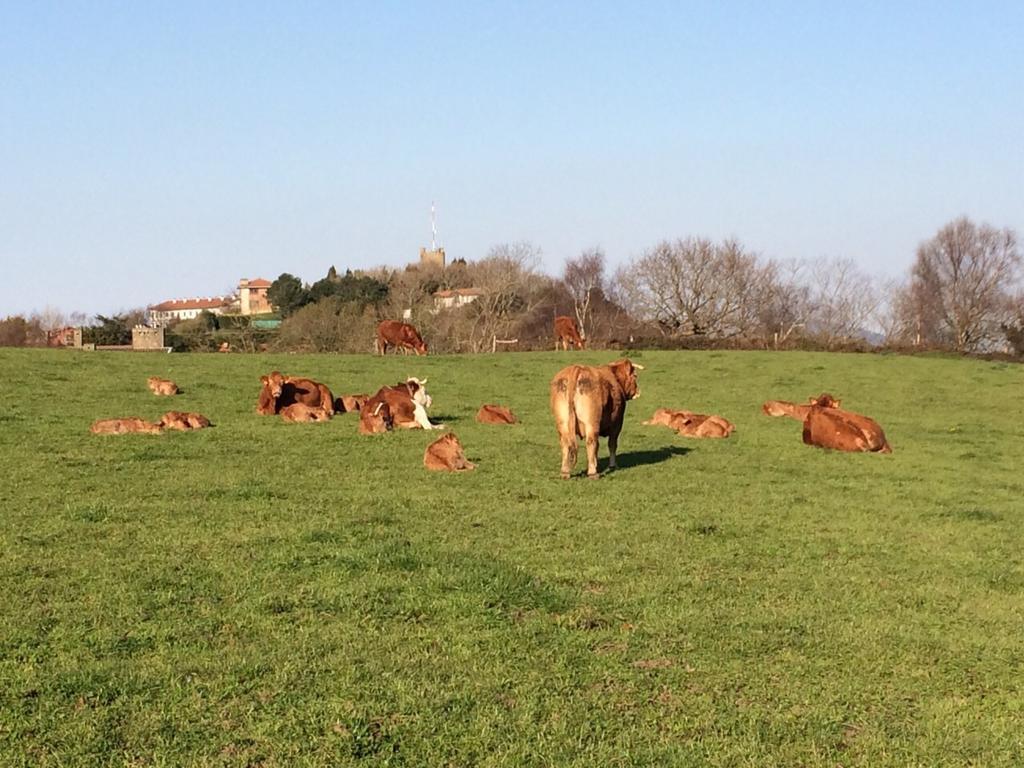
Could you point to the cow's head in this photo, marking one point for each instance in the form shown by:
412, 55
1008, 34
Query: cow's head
625, 373
274, 383
418, 391
825, 400
375, 419
420, 346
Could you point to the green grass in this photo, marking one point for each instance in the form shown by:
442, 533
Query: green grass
270, 594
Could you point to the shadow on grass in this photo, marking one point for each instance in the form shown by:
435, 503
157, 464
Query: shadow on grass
442, 418
641, 458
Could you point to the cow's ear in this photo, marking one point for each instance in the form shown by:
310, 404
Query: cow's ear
264, 380
621, 370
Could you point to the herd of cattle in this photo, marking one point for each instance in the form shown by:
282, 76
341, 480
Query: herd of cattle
588, 402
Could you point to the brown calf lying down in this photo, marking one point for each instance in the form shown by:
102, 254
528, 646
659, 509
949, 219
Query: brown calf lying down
407, 404
590, 402
445, 455
349, 403
495, 414
160, 386
690, 424
183, 421
124, 426
278, 391
826, 425
375, 419
300, 412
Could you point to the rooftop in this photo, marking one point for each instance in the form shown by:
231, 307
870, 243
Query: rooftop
211, 302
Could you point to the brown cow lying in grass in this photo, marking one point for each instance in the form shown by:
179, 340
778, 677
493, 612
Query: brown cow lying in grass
300, 412
826, 425
590, 402
278, 391
446, 455
160, 386
375, 419
183, 421
407, 404
690, 424
124, 426
495, 414
349, 403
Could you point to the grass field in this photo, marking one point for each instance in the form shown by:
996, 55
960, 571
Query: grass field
264, 593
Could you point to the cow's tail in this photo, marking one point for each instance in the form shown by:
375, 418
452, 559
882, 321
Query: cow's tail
565, 397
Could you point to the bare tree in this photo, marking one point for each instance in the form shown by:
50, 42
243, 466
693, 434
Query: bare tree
697, 287
965, 275
785, 306
584, 280
511, 289
843, 300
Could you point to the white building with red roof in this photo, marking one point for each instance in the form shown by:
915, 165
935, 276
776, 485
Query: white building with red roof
185, 309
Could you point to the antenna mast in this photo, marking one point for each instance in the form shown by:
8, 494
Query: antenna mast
433, 227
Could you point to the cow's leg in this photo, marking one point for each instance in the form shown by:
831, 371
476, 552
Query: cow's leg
420, 414
570, 446
591, 439
613, 444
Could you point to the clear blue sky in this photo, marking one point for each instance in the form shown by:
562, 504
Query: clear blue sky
154, 150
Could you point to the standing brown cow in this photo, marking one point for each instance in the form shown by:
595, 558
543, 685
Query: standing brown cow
399, 335
567, 332
590, 402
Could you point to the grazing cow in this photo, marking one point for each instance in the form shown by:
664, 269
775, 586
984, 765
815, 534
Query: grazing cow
183, 421
349, 403
375, 419
407, 403
124, 426
300, 412
690, 424
278, 391
567, 332
832, 427
399, 335
495, 414
590, 402
445, 455
160, 386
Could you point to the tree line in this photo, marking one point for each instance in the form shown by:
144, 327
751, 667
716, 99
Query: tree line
963, 292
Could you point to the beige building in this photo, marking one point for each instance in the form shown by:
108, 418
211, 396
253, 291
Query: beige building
432, 257
252, 296
456, 297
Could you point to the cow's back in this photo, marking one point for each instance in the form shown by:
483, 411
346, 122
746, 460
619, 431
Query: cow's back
843, 431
